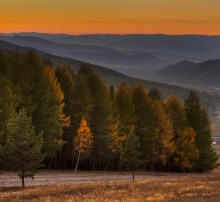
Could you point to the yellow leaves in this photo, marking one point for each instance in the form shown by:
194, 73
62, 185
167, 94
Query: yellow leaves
58, 94
84, 139
117, 141
163, 128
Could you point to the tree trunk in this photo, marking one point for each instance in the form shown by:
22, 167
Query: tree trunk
22, 180
77, 161
133, 174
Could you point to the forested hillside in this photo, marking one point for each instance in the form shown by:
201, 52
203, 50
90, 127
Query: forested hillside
138, 55
87, 123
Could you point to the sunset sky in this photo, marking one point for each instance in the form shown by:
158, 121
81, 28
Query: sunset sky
111, 16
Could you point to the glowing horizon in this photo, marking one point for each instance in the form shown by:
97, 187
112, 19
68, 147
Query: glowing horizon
111, 17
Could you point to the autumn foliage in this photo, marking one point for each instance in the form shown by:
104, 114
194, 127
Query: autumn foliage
85, 122
83, 140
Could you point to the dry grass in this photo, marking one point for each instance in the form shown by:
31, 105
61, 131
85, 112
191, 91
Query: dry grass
167, 187
189, 187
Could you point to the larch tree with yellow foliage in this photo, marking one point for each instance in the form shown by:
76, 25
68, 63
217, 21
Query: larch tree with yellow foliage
55, 117
185, 153
83, 141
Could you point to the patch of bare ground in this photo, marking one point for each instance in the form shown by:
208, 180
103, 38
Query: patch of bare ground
170, 187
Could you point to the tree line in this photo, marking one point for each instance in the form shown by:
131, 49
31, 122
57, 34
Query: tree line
78, 119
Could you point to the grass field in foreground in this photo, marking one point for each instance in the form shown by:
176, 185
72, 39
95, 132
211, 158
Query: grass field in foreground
189, 187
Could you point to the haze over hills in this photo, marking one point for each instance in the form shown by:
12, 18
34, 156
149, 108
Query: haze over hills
114, 77
138, 56
110, 76
133, 63
207, 72
186, 45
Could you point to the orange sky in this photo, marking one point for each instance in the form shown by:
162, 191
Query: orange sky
111, 16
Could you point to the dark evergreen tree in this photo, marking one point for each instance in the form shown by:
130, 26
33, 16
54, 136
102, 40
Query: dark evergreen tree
5, 67
160, 137
154, 94
22, 152
99, 118
197, 118
9, 100
118, 140
125, 109
130, 157
143, 115
40, 96
67, 80
184, 136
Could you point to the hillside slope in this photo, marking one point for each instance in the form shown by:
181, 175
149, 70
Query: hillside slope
210, 100
207, 72
132, 63
201, 47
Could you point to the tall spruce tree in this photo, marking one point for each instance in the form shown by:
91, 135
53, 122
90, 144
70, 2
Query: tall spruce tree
67, 80
130, 157
22, 152
99, 118
55, 116
154, 94
125, 109
184, 136
40, 97
160, 137
198, 119
82, 103
9, 100
143, 115
5, 67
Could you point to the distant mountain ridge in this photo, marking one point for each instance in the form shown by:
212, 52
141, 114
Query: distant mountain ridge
177, 44
126, 62
207, 72
114, 78
135, 55
110, 76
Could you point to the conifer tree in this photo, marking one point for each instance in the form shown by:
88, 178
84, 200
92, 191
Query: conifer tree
125, 109
83, 141
143, 115
82, 102
160, 137
37, 97
154, 94
184, 136
99, 117
9, 100
22, 152
198, 119
5, 67
55, 116
67, 80
41, 96
130, 157
117, 140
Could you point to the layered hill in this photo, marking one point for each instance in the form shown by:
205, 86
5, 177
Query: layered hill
112, 77
192, 46
207, 72
135, 55
132, 63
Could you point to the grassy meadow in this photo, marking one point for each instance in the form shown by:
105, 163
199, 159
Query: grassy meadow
169, 187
